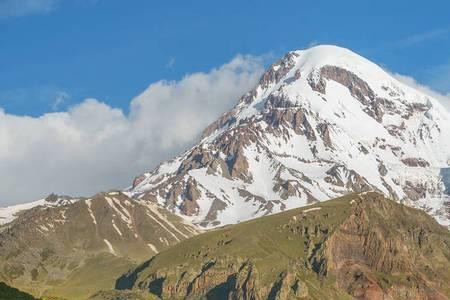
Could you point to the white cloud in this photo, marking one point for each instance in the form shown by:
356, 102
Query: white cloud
313, 43
440, 78
444, 99
60, 98
44, 97
171, 62
17, 8
20, 8
422, 37
93, 147
413, 40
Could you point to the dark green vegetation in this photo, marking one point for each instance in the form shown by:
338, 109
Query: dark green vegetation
9, 293
359, 246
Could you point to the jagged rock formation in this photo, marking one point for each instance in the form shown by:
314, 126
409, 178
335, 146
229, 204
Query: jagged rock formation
361, 246
321, 123
77, 248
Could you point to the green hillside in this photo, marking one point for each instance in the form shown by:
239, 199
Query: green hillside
359, 246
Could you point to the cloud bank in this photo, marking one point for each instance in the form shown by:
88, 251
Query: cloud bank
93, 147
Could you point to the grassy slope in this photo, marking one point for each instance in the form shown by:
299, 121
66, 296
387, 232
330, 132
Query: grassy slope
259, 240
295, 243
270, 247
98, 273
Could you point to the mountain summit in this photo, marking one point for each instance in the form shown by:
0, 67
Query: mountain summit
320, 123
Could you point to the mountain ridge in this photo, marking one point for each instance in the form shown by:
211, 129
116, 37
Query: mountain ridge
320, 123
76, 249
359, 246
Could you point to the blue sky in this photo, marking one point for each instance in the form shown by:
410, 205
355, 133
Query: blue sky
70, 71
55, 53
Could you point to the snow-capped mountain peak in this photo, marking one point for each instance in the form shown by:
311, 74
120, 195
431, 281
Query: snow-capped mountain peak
320, 123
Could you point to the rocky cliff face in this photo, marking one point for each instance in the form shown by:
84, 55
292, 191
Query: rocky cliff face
361, 246
79, 247
321, 123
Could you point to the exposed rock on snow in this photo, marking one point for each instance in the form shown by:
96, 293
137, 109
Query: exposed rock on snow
321, 122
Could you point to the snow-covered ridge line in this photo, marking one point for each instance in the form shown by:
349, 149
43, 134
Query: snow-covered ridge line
10, 213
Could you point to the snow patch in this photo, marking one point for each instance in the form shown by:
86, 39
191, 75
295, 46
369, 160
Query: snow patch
91, 213
116, 228
153, 248
110, 247
10, 213
312, 209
